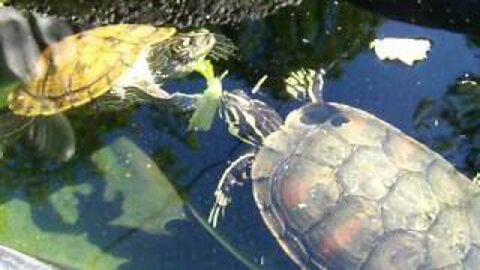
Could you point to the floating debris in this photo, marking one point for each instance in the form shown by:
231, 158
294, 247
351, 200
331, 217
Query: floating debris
12, 259
405, 50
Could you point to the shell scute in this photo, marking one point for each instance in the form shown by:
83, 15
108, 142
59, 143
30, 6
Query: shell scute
267, 159
448, 240
394, 199
406, 153
83, 66
300, 188
450, 187
401, 250
324, 147
473, 209
404, 209
345, 238
368, 172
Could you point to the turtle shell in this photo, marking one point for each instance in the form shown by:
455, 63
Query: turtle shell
341, 189
83, 66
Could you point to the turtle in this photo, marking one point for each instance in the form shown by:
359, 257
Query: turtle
112, 59
341, 189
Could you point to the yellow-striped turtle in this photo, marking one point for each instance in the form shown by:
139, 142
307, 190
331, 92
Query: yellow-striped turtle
112, 59
341, 189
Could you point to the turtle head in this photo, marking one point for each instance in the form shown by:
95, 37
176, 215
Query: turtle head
181, 53
248, 119
193, 46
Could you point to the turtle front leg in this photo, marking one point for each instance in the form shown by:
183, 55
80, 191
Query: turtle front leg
204, 105
226, 184
183, 102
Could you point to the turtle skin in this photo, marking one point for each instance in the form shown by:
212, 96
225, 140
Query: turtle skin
341, 189
84, 66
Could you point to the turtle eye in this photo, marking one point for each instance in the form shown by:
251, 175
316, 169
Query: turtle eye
186, 42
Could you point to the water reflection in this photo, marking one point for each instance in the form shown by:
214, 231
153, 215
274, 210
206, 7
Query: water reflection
457, 16
456, 113
312, 35
21, 41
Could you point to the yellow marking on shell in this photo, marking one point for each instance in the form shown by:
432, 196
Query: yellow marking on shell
84, 66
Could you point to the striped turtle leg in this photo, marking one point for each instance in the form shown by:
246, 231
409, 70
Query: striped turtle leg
226, 184
183, 102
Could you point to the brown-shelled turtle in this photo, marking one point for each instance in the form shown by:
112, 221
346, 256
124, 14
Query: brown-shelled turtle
113, 59
341, 189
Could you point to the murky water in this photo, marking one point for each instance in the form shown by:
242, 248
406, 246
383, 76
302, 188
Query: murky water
100, 210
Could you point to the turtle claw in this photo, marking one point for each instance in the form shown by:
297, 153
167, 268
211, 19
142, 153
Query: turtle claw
225, 186
218, 210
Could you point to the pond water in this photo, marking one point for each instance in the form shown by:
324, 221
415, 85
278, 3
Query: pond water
107, 209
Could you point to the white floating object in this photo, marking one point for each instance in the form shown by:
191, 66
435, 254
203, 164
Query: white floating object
12, 259
405, 50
